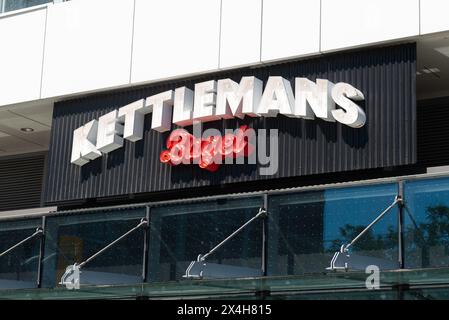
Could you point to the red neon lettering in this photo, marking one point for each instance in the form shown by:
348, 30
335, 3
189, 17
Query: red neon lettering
183, 147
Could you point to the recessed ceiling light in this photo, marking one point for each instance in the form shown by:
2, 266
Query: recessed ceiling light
27, 130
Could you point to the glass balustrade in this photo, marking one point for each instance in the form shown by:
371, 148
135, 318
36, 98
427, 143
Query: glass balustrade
230, 238
19, 254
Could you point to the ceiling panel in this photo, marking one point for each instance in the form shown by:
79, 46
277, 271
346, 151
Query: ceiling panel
37, 117
16, 122
40, 138
15, 144
39, 113
433, 67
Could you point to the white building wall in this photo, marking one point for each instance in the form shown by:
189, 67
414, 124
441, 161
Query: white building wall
350, 23
93, 45
174, 37
21, 51
291, 28
87, 46
240, 32
434, 16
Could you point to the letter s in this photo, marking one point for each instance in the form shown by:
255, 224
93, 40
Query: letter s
350, 114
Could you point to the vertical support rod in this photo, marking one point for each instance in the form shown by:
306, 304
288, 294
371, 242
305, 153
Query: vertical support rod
401, 225
146, 246
41, 255
265, 236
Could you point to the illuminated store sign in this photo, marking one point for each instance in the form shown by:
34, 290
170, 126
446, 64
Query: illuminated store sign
209, 152
216, 100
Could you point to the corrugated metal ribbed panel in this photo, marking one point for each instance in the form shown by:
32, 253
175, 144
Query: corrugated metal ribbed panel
21, 182
386, 76
433, 137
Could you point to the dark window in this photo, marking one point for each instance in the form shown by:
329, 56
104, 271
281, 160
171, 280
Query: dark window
307, 228
74, 238
19, 267
179, 233
427, 223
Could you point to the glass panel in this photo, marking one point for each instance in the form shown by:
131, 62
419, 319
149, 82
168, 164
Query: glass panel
427, 223
427, 294
424, 284
306, 229
345, 295
19, 267
179, 233
10, 5
74, 238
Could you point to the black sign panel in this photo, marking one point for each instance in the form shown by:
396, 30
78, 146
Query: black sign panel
386, 76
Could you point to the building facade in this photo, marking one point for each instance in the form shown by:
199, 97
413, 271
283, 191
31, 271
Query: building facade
260, 149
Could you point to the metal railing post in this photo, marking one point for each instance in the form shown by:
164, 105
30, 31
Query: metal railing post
401, 258
146, 246
265, 237
41, 255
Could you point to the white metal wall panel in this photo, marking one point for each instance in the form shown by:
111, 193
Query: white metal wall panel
174, 38
434, 16
21, 50
88, 46
240, 32
290, 28
350, 23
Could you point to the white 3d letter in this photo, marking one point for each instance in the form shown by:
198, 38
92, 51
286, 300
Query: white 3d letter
183, 107
205, 98
133, 120
314, 99
351, 114
162, 107
84, 144
277, 98
234, 100
110, 132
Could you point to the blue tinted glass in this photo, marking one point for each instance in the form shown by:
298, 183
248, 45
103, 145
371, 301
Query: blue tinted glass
179, 233
427, 223
19, 267
349, 210
20, 4
307, 228
74, 238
